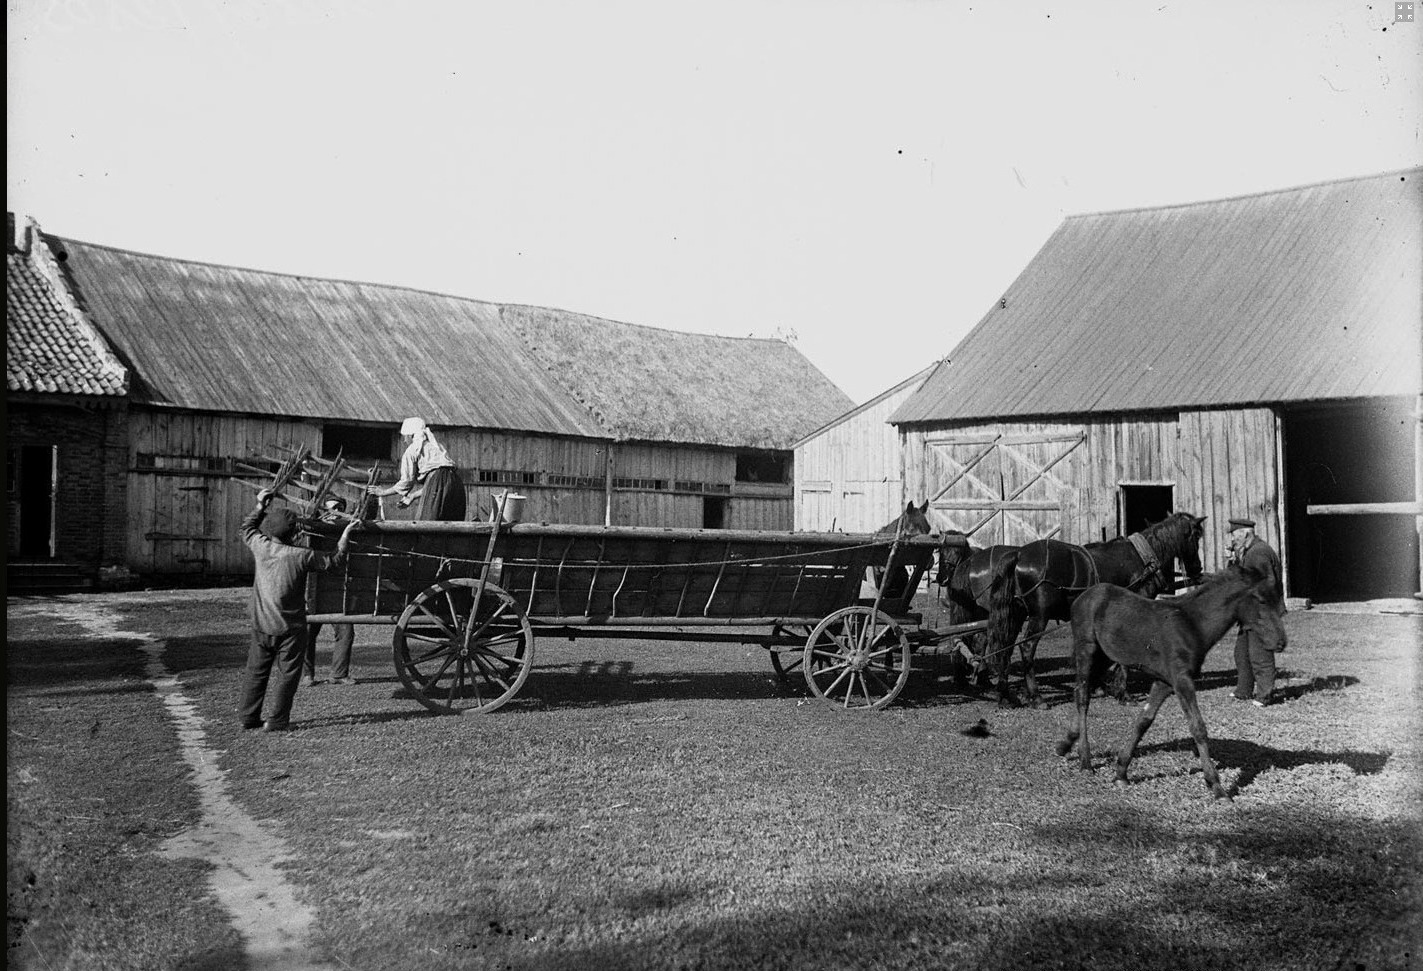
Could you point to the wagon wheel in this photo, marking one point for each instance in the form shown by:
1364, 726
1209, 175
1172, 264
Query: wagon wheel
787, 660
456, 660
857, 657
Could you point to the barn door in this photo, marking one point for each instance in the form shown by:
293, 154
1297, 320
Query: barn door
183, 524
999, 488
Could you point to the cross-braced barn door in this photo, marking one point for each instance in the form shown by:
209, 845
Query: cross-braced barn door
999, 488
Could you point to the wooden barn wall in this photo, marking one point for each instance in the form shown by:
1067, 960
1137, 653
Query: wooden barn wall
492, 462
1221, 464
849, 476
184, 507
1231, 466
185, 520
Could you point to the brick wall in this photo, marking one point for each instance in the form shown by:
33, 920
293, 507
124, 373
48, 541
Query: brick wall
91, 505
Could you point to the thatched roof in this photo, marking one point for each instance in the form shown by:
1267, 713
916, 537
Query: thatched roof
1305, 294
218, 338
658, 385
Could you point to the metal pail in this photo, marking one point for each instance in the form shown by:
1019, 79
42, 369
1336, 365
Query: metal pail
509, 506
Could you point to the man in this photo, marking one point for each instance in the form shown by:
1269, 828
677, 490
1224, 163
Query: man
1254, 663
278, 609
343, 635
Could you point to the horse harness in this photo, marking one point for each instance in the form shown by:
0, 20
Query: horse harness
1153, 569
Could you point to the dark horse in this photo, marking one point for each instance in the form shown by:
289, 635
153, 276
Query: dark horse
1168, 639
966, 574
1050, 574
914, 521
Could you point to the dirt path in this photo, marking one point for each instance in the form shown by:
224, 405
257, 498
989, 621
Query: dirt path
245, 876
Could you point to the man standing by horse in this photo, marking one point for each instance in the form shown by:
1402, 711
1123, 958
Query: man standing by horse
1254, 660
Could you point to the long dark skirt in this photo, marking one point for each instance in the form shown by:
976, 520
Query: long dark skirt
443, 498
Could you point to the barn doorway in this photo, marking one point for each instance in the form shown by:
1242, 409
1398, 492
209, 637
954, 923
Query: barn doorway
1349, 454
1141, 505
713, 512
33, 476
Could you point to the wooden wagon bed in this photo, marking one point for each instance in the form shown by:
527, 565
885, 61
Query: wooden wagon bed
467, 599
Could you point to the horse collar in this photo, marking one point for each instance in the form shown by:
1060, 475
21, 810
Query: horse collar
1147, 554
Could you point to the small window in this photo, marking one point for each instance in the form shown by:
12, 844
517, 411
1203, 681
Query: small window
358, 443
1142, 505
762, 467
507, 477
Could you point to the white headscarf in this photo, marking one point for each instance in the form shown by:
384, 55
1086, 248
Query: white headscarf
413, 426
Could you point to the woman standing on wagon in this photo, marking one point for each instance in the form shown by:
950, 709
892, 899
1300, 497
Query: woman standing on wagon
427, 474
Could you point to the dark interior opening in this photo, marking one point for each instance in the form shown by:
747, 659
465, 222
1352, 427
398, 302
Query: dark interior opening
1143, 505
1352, 453
358, 443
762, 467
713, 513
35, 477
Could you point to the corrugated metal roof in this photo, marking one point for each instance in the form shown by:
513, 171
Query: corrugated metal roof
49, 346
649, 384
1303, 294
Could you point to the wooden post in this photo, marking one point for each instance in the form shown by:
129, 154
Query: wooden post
1281, 508
608, 485
1418, 487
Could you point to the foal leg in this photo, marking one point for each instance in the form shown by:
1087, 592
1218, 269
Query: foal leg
1084, 652
1186, 692
1160, 691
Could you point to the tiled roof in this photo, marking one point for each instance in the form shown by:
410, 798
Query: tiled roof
49, 347
1305, 294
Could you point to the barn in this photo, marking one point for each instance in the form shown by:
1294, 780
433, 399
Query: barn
596, 421
1255, 356
847, 472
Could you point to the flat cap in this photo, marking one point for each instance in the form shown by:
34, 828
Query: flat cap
1242, 523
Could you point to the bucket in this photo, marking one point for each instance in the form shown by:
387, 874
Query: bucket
509, 506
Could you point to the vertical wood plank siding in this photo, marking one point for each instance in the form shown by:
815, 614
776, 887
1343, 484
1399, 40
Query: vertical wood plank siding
849, 476
1222, 463
181, 523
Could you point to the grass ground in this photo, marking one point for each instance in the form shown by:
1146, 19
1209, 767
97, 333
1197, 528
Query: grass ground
652, 805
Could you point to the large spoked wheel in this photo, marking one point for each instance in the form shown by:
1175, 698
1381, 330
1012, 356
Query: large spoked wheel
787, 661
857, 658
456, 659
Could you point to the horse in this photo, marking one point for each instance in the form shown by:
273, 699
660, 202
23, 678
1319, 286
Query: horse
1167, 639
966, 574
893, 580
1050, 574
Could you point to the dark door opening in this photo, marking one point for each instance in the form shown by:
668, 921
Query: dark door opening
713, 512
1343, 454
36, 480
1143, 505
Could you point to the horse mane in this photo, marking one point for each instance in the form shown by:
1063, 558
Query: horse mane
1231, 574
1170, 535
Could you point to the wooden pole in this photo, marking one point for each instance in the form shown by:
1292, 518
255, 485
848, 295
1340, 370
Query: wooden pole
1418, 487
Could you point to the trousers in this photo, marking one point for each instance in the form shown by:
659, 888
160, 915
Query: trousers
343, 636
284, 652
1254, 667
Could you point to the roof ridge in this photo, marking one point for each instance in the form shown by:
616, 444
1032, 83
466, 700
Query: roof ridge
629, 323
1411, 170
397, 286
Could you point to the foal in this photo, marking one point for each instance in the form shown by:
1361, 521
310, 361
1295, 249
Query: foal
1168, 639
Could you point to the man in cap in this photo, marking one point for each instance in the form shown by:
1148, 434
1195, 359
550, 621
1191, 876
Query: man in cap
426, 464
1254, 663
278, 609
343, 635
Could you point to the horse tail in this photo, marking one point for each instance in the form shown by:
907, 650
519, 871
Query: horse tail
1006, 612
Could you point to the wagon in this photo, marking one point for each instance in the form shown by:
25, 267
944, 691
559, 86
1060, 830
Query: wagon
469, 601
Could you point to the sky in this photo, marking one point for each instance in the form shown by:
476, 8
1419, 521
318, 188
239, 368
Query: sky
864, 179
